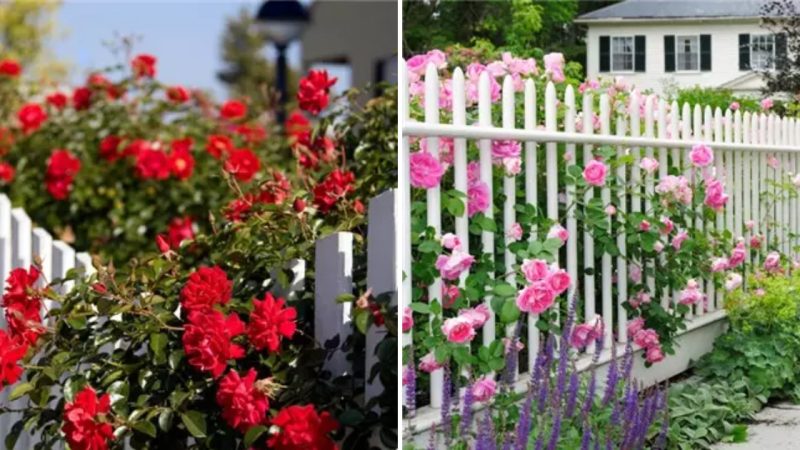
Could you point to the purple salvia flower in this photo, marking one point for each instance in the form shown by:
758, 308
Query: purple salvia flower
586, 441
588, 402
486, 438
411, 390
545, 378
432, 439
609, 443
466, 411
556, 431
510, 372
563, 355
612, 379
524, 426
539, 442
661, 441
627, 362
447, 400
572, 394
509, 441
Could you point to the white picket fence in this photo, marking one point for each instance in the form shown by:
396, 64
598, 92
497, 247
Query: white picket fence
741, 142
20, 243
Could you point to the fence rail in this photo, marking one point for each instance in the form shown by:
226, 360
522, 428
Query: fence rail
752, 152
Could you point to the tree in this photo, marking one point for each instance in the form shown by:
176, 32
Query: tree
25, 26
782, 18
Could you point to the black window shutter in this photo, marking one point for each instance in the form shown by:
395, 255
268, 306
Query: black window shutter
605, 54
639, 54
781, 54
744, 51
669, 53
705, 52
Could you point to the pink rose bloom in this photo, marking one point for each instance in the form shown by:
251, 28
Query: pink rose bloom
635, 273
749, 225
649, 165
536, 298
408, 320
668, 226
554, 66
428, 363
417, 64
450, 267
734, 106
635, 325
451, 242
450, 294
513, 166
733, 281
640, 298
437, 58
477, 316
515, 232
644, 225
484, 389
426, 172
654, 354
719, 264
535, 269
691, 295
676, 188
715, 195
611, 210
677, 241
558, 232
586, 333
755, 242
773, 162
767, 104
646, 338
477, 198
595, 173
458, 330
559, 281
505, 149
701, 155
507, 343
772, 262
737, 256
473, 172
658, 246
446, 149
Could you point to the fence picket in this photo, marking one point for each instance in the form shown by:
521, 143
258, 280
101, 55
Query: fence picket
606, 272
588, 240
334, 276
485, 161
531, 198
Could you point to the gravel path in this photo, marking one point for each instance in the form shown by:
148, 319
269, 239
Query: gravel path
775, 427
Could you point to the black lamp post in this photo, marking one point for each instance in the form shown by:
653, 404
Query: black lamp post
282, 22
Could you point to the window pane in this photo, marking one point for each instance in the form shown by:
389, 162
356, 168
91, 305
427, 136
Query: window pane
762, 47
622, 54
688, 52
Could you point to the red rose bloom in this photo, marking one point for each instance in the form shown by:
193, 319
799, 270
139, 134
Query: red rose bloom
137, 146
275, 192
162, 244
239, 207
270, 322
206, 287
10, 68
81, 98
232, 110
61, 170
98, 81
207, 340
301, 428
297, 126
7, 172
144, 65
180, 229
219, 145
243, 405
252, 134
243, 164
57, 99
86, 426
109, 148
334, 187
31, 116
11, 351
22, 305
181, 161
178, 94
152, 164
312, 94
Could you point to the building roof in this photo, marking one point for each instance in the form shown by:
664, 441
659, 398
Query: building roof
675, 9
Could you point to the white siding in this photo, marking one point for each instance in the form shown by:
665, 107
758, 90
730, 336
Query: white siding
724, 52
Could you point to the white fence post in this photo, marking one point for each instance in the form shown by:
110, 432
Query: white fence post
334, 276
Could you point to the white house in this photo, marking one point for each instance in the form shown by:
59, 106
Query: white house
663, 44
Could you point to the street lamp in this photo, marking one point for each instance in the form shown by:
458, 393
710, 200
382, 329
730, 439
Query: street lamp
282, 21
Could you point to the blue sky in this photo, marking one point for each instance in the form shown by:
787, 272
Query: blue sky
185, 36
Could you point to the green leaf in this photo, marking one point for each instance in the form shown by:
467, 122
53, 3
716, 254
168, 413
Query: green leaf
158, 343
502, 289
351, 417
345, 298
20, 390
195, 423
509, 313
362, 320
422, 308
253, 434
165, 420
146, 428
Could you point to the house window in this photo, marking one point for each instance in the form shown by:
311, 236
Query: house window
762, 51
687, 53
622, 54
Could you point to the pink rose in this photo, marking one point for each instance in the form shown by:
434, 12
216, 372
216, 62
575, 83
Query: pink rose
438, 58
586, 333
749, 225
450, 268
458, 330
734, 106
715, 195
536, 298
733, 281
691, 295
635, 325
737, 256
677, 241
484, 389
767, 104
535, 269
559, 281
640, 298
719, 264
701, 155
649, 165
644, 225
595, 173
554, 66
773, 162
507, 343
451, 242
772, 262
428, 363
611, 210
654, 354
450, 293
515, 232
668, 226
408, 320
426, 172
558, 232
635, 273
513, 166
477, 198
658, 246
505, 149
646, 338
417, 64
755, 242
477, 316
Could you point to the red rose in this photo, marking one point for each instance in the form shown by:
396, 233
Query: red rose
312, 94
11, 351
243, 405
252, 134
144, 65
243, 164
206, 287
219, 145
10, 68
358, 207
98, 81
61, 170
181, 159
178, 94
276, 191
297, 127
7, 172
31, 116
81, 98
22, 304
232, 110
334, 187
161, 242
239, 207
299, 205
207, 340
137, 146
180, 229
86, 425
301, 428
270, 322
152, 164
309, 154
57, 99
109, 148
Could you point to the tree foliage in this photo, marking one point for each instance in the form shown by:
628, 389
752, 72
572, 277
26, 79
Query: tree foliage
782, 17
24, 28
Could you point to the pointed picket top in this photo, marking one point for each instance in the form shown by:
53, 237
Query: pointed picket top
587, 109
508, 102
605, 114
530, 104
550, 106
431, 95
